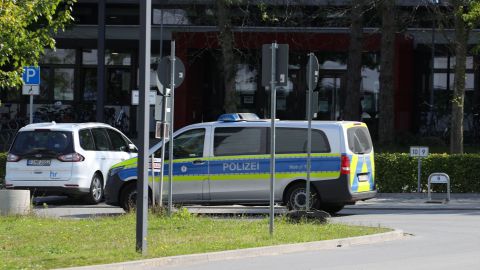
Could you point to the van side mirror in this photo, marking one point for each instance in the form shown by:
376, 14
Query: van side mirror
132, 148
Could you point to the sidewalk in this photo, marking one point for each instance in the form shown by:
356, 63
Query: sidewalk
419, 201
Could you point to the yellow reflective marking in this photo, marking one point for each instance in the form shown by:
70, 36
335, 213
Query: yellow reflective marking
353, 168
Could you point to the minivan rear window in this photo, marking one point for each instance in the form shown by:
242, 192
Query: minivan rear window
42, 142
359, 140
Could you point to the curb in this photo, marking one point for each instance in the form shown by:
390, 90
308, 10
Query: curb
249, 252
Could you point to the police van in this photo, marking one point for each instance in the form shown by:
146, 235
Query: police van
228, 162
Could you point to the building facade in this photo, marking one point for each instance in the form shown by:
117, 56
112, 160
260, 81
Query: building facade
73, 85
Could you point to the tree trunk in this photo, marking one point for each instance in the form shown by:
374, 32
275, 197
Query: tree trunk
387, 115
226, 41
461, 37
352, 106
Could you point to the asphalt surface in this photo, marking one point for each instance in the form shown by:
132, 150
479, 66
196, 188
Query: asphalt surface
63, 207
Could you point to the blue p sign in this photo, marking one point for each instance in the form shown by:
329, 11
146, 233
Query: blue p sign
31, 75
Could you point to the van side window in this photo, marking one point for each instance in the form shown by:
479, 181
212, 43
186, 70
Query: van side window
359, 140
101, 139
189, 144
231, 141
86, 139
294, 140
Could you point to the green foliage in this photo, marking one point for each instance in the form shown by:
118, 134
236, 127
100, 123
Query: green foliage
397, 172
27, 28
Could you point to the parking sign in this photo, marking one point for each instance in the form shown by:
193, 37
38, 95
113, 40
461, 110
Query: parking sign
31, 75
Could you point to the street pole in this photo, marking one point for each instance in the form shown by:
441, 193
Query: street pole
273, 109
309, 130
170, 152
163, 120
31, 106
144, 105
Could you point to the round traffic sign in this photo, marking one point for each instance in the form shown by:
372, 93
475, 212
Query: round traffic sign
164, 71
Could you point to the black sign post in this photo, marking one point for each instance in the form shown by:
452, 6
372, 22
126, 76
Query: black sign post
312, 80
144, 108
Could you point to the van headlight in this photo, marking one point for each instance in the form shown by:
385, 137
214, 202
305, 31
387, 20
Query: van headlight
115, 170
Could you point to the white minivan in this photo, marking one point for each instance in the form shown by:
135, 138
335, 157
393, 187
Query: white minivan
71, 159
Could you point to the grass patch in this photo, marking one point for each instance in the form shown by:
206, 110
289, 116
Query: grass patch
42, 243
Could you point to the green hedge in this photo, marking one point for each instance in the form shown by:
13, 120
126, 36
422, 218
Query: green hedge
398, 172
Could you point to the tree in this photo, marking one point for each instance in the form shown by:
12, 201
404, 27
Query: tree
27, 28
386, 117
354, 65
226, 40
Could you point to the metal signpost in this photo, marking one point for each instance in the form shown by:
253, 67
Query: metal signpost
312, 80
144, 112
274, 73
419, 152
31, 85
170, 71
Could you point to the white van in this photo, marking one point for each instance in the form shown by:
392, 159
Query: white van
68, 158
228, 161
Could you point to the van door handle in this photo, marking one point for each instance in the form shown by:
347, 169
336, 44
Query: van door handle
199, 162
103, 158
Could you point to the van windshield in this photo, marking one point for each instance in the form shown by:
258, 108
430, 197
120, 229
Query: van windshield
42, 142
359, 140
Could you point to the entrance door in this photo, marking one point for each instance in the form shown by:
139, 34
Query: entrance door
329, 105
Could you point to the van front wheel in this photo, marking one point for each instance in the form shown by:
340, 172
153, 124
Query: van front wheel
296, 199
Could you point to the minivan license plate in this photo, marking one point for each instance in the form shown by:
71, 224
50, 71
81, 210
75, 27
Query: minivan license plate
38, 162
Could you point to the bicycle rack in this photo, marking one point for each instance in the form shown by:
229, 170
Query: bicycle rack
438, 178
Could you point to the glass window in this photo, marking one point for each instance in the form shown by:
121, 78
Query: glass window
359, 140
118, 85
63, 84
469, 62
189, 144
469, 81
118, 143
294, 140
86, 139
231, 141
440, 62
170, 16
101, 139
89, 84
44, 141
440, 81
89, 57
44, 84
246, 79
117, 58
58, 56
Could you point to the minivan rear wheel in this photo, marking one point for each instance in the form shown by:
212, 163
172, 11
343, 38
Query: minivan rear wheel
295, 198
95, 195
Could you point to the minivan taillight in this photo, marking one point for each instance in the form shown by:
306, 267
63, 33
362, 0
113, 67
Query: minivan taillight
345, 165
73, 157
12, 158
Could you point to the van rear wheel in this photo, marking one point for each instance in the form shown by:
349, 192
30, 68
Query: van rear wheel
295, 198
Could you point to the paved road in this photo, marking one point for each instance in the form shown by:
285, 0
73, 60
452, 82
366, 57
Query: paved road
442, 239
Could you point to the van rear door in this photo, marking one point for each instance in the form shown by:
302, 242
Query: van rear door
362, 166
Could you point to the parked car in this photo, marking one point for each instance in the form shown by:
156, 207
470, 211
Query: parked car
70, 158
